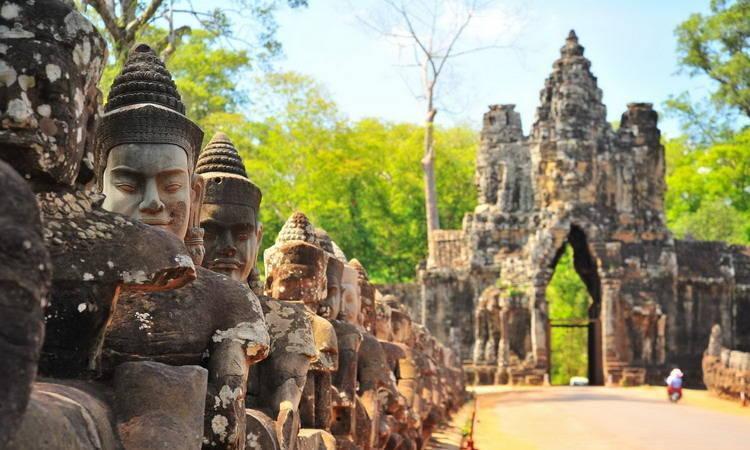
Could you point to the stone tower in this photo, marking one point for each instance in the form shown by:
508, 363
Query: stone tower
574, 180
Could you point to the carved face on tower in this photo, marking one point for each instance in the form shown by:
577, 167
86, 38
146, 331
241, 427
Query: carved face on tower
146, 147
296, 265
50, 64
229, 215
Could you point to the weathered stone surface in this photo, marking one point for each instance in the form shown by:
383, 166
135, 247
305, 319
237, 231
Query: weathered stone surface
52, 59
312, 439
67, 416
162, 327
726, 372
215, 321
297, 271
25, 272
261, 432
275, 385
50, 65
96, 253
159, 405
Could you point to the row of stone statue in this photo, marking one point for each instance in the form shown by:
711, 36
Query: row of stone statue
131, 310
726, 372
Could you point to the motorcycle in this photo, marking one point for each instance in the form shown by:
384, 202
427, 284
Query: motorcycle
674, 393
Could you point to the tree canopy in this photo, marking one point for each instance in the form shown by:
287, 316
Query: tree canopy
716, 45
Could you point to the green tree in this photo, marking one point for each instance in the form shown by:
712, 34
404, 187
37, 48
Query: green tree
355, 179
123, 22
717, 45
709, 189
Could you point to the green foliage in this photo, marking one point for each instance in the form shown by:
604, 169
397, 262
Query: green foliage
567, 298
703, 122
709, 189
207, 75
123, 26
717, 45
361, 181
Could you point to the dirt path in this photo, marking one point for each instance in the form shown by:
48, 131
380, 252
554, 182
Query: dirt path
606, 418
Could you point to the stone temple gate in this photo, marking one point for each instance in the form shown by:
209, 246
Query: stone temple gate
575, 180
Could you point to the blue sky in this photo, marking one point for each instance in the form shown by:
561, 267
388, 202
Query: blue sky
631, 46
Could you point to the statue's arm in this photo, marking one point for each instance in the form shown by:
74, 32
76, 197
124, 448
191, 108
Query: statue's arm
224, 422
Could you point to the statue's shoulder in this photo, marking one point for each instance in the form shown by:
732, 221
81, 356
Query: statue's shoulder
288, 326
326, 343
232, 304
89, 244
393, 351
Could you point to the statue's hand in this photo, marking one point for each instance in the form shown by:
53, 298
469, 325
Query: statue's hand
287, 426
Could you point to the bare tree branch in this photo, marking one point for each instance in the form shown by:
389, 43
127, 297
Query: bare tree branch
456, 36
132, 27
107, 15
433, 45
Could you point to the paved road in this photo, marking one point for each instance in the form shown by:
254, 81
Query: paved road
607, 418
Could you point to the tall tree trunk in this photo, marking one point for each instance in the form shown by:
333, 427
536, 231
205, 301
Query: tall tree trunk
430, 190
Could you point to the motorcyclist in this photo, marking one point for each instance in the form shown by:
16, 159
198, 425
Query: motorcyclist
674, 384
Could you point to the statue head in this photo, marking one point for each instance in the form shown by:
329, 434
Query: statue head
331, 306
146, 148
351, 302
229, 213
296, 265
51, 61
383, 327
366, 294
420, 337
402, 327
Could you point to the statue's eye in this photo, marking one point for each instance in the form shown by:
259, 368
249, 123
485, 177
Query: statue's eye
243, 236
125, 187
173, 187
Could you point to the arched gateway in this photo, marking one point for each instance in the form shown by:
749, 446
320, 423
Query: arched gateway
575, 180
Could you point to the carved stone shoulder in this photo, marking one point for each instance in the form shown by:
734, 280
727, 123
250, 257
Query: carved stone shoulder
326, 344
289, 327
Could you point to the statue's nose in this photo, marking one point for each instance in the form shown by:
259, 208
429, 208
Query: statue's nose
227, 244
151, 203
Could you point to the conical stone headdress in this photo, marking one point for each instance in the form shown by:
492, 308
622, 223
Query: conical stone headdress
220, 164
144, 107
297, 228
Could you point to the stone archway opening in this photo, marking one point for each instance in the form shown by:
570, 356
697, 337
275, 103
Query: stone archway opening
575, 331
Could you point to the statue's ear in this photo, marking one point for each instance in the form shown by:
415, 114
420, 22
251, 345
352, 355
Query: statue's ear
259, 234
197, 190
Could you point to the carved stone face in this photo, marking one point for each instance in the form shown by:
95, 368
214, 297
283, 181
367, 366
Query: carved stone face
297, 272
367, 297
152, 183
232, 239
330, 307
402, 329
351, 302
383, 326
